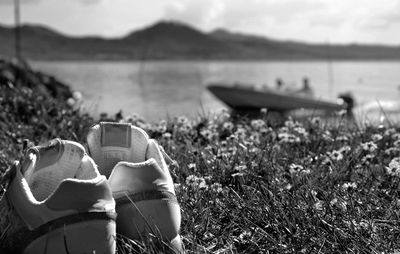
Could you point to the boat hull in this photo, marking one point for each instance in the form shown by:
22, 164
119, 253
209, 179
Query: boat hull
246, 98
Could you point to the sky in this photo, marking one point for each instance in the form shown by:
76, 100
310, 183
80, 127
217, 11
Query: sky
314, 21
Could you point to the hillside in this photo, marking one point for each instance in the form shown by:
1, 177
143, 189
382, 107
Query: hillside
173, 40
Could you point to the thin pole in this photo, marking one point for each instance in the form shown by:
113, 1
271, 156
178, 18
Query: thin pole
17, 30
141, 78
330, 70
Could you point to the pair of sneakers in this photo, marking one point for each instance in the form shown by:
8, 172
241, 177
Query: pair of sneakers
62, 200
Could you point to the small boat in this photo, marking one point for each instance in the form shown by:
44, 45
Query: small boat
240, 97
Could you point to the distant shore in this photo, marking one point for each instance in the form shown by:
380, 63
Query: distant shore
177, 41
208, 60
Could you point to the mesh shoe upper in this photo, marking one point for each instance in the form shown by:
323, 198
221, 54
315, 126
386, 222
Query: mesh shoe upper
46, 167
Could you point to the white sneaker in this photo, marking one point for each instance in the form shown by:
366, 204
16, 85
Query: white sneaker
57, 202
140, 181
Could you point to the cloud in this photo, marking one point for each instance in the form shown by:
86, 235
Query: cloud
254, 15
307, 20
358, 14
198, 13
209, 14
383, 16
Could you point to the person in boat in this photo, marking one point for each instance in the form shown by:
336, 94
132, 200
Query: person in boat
279, 84
306, 90
348, 103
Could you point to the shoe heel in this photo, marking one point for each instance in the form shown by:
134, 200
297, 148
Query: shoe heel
159, 217
95, 236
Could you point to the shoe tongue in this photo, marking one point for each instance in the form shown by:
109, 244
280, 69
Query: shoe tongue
117, 135
110, 143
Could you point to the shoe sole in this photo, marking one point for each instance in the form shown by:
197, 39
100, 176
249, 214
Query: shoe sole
95, 236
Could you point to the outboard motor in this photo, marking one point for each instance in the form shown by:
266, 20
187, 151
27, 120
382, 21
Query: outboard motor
349, 103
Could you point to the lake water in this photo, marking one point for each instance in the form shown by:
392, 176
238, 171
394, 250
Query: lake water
155, 89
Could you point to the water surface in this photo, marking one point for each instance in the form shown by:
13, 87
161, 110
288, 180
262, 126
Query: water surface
155, 89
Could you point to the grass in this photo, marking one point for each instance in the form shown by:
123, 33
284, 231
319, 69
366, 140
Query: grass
244, 185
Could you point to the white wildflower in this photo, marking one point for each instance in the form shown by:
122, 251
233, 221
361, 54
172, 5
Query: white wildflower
216, 187
396, 136
316, 120
349, 186
206, 133
167, 135
240, 170
369, 146
71, 102
228, 126
319, 205
245, 236
333, 201
182, 120
345, 149
196, 182
394, 167
376, 137
288, 138
192, 166
342, 138
390, 132
335, 155
301, 131
283, 130
367, 158
392, 151
294, 168
257, 124
162, 126
289, 123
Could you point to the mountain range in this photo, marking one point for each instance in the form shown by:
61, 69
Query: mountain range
179, 41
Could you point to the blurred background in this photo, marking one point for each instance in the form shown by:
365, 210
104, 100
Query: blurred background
156, 58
